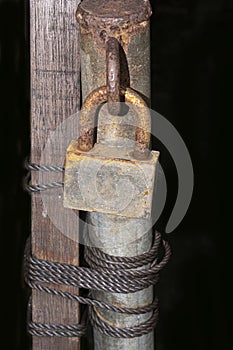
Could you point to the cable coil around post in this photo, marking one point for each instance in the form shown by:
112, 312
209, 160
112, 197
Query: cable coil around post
106, 273
121, 280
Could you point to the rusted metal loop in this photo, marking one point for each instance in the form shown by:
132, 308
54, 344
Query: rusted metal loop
87, 120
113, 75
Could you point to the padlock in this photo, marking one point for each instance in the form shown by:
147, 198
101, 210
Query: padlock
106, 178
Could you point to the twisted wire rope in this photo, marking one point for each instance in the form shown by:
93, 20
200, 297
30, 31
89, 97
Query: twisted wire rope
105, 273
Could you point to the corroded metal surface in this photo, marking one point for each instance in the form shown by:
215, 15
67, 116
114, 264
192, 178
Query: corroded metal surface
108, 180
94, 175
113, 76
128, 22
96, 14
87, 121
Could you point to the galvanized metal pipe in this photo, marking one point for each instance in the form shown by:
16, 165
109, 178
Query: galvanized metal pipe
128, 22
110, 233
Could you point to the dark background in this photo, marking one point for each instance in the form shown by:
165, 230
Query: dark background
192, 77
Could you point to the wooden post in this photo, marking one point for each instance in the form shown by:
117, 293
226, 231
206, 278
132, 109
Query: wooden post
55, 95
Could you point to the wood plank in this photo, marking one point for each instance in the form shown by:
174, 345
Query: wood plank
55, 95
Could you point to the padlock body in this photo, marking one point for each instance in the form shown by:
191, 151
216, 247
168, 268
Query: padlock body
109, 180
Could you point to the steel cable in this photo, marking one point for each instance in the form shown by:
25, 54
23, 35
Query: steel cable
105, 273
37, 271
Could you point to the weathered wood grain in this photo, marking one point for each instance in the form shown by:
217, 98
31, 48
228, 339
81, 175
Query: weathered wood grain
55, 95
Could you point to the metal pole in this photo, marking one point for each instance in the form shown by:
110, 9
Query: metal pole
128, 22
109, 232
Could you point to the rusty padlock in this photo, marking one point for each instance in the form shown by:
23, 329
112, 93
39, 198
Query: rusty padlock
106, 178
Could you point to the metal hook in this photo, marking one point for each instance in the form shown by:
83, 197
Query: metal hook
113, 75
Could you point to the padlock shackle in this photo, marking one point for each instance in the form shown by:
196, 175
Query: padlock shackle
88, 113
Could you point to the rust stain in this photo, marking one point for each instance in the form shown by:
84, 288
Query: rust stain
145, 193
81, 165
87, 120
113, 75
103, 19
74, 155
98, 13
112, 324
